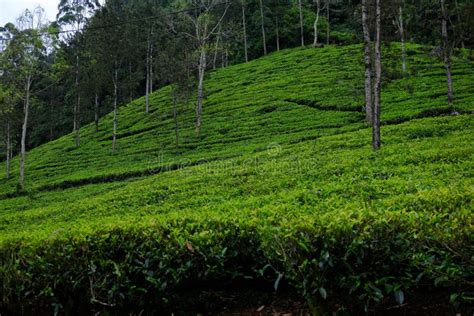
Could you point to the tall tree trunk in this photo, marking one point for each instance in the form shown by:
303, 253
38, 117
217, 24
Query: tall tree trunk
11, 147
151, 70
367, 63
96, 112
378, 78
114, 134
262, 17
401, 30
461, 26
201, 73
23, 133
188, 75
226, 56
8, 141
223, 57
130, 80
277, 33
447, 55
216, 49
78, 130
76, 108
316, 20
175, 118
328, 30
78, 97
147, 88
51, 117
244, 25
300, 8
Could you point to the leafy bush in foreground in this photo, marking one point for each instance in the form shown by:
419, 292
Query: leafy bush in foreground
355, 259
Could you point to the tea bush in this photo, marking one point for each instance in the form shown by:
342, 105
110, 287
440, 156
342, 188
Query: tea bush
272, 190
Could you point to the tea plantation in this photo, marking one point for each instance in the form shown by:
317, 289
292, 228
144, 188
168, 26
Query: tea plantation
280, 187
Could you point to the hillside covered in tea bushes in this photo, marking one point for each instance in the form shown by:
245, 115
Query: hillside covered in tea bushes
280, 188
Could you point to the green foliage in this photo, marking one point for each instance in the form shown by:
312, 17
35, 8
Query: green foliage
270, 190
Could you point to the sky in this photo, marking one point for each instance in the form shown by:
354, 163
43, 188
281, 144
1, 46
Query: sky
10, 10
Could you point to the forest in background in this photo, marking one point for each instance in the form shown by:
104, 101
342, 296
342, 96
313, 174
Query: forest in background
94, 57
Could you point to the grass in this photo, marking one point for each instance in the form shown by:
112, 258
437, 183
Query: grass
281, 184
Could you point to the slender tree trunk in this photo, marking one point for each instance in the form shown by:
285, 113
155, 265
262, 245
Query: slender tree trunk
114, 134
262, 17
216, 49
151, 70
201, 73
11, 147
8, 141
461, 26
316, 20
175, 118
367, 63
23, 134
328, 30
188, 75
51, 117
378, 78
130, 80
244, 25
74, 110
78, 98
223, 58
96, 112
147, 88
447, 55
226, 56
300, 8
277, 33
78, 130
77, 107
402, 39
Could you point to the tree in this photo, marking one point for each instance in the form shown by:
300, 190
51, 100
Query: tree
95, 69
373, 92
262, 23
57, 71
116, 83
74, 13
149, 69
328, 30
329, 4
378, 77
205, 26
460, 24
300, 9
176, 73
8, 99
367, 63
22, 59
399, 22
117, 49
316, 20
447, 53
175, 64
244, 28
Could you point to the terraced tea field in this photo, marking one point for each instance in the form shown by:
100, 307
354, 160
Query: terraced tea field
281, 187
